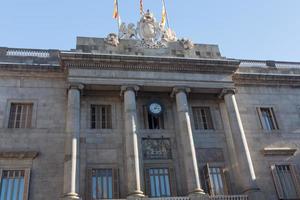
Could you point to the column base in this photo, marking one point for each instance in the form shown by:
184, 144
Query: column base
71, 196
198, 194
135, 195
254, 194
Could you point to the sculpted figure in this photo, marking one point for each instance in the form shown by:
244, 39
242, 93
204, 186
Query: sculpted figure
148, 28
128, 32
186, 43
168, 35
112, 39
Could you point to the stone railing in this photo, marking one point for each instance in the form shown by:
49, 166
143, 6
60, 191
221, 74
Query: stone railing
28, 52
218, 197
169, 198
269, 63
229, 197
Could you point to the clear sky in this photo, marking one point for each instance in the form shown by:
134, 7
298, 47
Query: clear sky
252, 29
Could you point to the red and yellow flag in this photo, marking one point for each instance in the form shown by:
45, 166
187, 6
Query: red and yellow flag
163, 16
141, 8
116, 10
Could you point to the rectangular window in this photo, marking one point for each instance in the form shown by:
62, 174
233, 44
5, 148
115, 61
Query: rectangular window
158, 182
104, 184
202, 118
286, 181
215, 183
101, 117
20, 115
267, 118
152, 122
14, 184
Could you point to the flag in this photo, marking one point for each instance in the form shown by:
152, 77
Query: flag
141, 8
163, 15
116, 10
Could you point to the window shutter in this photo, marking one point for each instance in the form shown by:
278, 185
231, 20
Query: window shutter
26, 184
89, 186
0, 177
115, 183
225, 179
147, 182
277, 182
172, 181
260, 118
208, 184
295, 174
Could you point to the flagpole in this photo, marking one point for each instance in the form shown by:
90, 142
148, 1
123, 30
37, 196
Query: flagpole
166, 14
118, 21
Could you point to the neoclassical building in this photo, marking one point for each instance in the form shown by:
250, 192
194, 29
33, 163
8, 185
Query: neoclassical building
115, 119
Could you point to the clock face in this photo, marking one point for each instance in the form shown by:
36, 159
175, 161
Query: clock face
155, 108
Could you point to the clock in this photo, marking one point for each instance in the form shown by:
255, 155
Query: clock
155, 108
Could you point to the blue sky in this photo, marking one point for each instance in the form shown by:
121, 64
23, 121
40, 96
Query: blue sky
252, 29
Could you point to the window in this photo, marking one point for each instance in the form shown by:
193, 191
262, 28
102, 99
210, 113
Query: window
20, 115
158, 182
101, 117
104, 184
202, 118
286, 181
152, 122
14, 184
267, 118
214, 180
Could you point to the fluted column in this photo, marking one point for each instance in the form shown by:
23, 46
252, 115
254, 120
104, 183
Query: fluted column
131, 142
187, 141
247, 176
71, 165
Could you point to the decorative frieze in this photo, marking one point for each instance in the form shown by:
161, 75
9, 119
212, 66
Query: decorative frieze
157, 149
208, 155
276, 151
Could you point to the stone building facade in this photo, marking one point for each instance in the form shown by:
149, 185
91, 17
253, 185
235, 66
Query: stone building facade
115, 122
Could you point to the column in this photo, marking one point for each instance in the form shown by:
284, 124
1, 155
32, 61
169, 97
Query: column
131, 142
247, 176
71, 165
187, 141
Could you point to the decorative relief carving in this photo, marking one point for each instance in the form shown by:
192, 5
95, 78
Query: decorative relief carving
150, 33
156, 149
210, 155
112, 39
127, 32
186, 44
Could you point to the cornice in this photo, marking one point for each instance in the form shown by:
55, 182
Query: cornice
19, 155
266, 79
144, 63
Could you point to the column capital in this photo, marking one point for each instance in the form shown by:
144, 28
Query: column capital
178, 89
124, 88
226, 91
76, 86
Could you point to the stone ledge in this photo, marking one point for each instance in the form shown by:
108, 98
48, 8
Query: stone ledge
19, 155
279, 151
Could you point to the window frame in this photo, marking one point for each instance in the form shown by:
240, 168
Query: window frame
90, 116
172, 177
276, 180
27, 174
207, 178
211, 115
273, 118
145, 117
115, 180
21, 101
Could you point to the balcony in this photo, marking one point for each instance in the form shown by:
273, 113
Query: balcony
229, 197
218, 197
